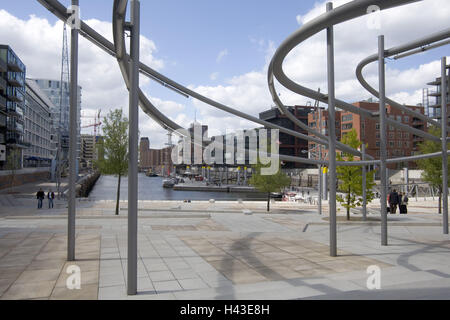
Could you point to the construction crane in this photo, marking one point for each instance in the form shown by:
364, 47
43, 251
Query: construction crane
97, 122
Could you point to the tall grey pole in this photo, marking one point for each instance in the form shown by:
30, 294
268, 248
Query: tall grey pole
319, 176
364, 191
444, 121
331, 137
319, 186
406, 178
72, 139
383, 142
133, 148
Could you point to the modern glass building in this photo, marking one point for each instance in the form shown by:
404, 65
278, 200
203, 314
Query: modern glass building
12, 100
59, 95
38, 127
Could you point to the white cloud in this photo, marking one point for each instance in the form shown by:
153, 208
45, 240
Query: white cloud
39, 43
213, 76
306, 64
222, 54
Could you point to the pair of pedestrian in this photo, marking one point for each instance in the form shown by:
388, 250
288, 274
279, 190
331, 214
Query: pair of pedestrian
40, 195
397, 199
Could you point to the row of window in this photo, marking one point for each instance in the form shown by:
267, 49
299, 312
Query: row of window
393, 144
395, 153
37, 151
391, 135
37, 140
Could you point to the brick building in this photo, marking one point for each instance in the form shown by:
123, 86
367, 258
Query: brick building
154, 159
399, 143
290, 145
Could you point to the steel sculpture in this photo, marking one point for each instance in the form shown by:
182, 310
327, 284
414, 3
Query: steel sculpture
325, 21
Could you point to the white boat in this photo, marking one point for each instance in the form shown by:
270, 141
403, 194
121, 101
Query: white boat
168, 183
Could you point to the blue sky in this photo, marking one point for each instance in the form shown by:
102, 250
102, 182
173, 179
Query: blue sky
221, 49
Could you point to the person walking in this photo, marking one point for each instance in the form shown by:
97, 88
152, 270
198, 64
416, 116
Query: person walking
50, 196
393, 201
40, 195
404, 203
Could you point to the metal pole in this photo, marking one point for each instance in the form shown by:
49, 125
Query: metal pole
406, 173
383, 142
444, 121
331, 137
133, 149
319, 187
364, 191
72, 140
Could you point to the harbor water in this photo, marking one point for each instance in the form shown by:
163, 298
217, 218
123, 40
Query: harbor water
150, 188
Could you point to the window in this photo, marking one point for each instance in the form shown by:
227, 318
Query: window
377, 143
406, 119
399, 135
378, 153
347, 126
347, 117
399, 144
377, 135
405, 135
407, 144
391, 135
391, 128
391, 144
377, 126
399, 118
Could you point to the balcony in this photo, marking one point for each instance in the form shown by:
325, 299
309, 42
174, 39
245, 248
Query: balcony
15, 79
14, 64
14, 125
14, 108
14, 94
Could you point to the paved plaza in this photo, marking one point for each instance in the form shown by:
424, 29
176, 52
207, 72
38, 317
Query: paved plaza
222, 250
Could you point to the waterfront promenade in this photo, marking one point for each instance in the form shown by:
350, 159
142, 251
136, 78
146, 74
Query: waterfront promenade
221, 250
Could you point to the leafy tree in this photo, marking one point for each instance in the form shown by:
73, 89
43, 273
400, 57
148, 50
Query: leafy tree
350, 177
432, 167
13, 164
268, 183
114, 147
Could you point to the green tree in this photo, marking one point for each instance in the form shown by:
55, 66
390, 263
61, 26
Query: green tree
13, 164
432, 167
350, 177
268, 183
114, 147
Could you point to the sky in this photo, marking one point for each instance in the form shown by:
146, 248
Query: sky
221, 49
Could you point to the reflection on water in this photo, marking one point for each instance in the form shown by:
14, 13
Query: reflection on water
150, 188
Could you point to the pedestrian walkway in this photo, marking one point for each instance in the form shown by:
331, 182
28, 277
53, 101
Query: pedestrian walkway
198, 254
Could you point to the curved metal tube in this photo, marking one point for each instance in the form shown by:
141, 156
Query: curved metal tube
338, 15
444, 34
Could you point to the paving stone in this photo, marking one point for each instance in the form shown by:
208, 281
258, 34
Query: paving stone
30, 290
162, 286
189, 284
